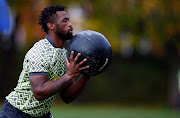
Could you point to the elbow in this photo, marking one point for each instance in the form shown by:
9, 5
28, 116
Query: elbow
38, 96
66, 100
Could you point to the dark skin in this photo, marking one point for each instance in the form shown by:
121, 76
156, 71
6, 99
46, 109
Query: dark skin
68, 88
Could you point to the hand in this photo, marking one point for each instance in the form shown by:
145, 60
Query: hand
74, 68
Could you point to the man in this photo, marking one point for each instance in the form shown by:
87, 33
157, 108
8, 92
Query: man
46, 70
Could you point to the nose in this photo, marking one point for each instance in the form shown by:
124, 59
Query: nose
70, 25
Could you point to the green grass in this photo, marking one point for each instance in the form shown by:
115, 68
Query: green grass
93, 111
111, 111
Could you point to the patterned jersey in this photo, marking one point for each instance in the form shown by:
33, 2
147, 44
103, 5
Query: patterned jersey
42, 59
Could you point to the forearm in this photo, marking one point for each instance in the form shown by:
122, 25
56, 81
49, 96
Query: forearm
49, 88
74, 90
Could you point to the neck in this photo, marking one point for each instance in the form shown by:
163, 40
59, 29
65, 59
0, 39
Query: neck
56, 40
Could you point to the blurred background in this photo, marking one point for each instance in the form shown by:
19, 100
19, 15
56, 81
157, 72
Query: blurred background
145, 40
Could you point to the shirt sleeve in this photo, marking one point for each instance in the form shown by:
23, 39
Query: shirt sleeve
37, 63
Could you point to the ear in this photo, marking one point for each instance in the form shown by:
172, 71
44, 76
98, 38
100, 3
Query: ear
51, 26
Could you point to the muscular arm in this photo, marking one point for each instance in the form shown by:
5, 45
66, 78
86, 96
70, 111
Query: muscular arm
43, 88
71, 92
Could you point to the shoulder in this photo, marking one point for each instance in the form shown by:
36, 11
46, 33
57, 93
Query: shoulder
39, 49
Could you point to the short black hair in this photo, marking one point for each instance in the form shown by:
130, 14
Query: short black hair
48, 15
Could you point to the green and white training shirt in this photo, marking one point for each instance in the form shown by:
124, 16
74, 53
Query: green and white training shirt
42, 59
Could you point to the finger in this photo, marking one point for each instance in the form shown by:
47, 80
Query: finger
77, 57
83, 61
71, 57
67, 61
85, 67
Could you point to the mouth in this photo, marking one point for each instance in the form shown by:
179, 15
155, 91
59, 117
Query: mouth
71, 30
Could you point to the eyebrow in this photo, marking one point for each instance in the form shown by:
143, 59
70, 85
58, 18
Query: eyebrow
65, 18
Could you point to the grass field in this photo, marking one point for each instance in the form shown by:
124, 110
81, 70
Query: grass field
93, 111
110, 111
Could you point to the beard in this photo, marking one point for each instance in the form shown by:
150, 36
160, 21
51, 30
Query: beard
64, 35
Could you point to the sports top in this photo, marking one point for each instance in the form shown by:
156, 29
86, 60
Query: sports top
42, 59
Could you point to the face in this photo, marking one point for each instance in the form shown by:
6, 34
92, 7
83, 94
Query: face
64, 28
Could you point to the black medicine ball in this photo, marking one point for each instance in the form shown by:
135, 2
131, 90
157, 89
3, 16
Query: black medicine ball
93, 46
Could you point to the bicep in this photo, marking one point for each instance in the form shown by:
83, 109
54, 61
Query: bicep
37, 81
42, 88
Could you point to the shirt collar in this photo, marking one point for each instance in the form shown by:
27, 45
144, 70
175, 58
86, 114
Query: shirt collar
48, 38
